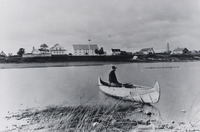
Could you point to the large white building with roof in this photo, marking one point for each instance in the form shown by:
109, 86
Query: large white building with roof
84, 49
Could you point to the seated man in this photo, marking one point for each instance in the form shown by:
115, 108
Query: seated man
113, 79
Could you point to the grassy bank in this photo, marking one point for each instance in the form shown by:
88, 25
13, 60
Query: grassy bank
96, 118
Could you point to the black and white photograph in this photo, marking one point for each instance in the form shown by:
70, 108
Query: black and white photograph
99, 65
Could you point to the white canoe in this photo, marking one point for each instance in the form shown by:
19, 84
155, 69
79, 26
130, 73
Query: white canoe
138, 93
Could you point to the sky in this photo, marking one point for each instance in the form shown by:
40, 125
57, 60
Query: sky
126, 24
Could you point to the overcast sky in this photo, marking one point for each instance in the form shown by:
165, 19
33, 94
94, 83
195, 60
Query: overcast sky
126, 24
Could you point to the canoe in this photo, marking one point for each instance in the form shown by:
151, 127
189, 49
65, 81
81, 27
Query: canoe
136, 93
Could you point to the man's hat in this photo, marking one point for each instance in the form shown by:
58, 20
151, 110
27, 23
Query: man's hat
114, 67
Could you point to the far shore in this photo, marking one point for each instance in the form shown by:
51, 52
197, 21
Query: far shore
77, 63
53, 64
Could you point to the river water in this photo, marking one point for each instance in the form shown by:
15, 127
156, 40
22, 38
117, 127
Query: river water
22, 88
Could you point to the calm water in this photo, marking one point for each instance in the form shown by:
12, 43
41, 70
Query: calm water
40, 87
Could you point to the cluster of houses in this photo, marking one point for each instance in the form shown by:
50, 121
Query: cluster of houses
90, 49
77, 50
57, 49
177, 51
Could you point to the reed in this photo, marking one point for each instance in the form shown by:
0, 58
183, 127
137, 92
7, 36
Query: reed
79, 118
95, 118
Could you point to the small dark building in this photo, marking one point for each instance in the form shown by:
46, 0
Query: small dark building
116, 51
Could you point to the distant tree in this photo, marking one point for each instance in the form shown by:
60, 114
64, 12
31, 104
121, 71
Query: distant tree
43, 47
21, 51
96, 51
100, 51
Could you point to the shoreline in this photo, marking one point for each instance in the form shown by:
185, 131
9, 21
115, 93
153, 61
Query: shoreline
77, 63
136, 117
55, 64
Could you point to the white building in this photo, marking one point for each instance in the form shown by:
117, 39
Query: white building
84, 49
37, 53
2, 54
147, 51
180, 51
57, 49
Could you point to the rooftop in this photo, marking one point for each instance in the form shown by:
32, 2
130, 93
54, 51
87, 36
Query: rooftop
116, 50
2, 54
85, 46
145, 49
57, 47
180, 49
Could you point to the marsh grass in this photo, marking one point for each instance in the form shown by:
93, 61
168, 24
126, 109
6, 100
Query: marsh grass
79, 118
94, 118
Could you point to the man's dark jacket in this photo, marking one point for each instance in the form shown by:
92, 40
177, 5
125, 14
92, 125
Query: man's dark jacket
112, 77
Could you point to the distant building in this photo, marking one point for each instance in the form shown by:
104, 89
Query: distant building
37, 53
178, 51
116, 51
195, 52
84, 49
147, 51
168, 50
2, 54
2, 57
58, 50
